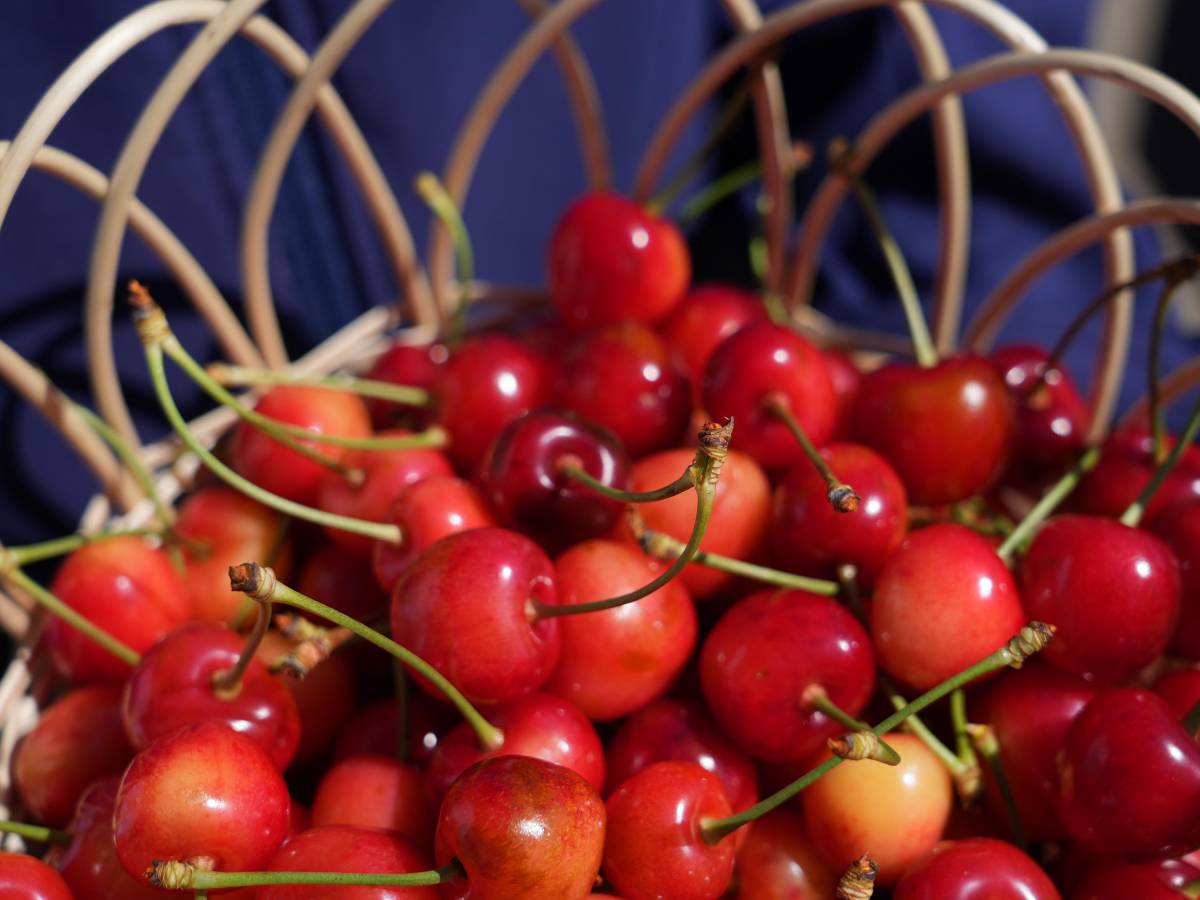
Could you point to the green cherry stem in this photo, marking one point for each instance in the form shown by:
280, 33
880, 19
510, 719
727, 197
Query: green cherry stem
818, 698
27, 554
570, 467
1049, 502
983, 738
964, 748
133, 462
1191, 890
38, 833
1133, 515
442, 205
723, 187
182, 876
260, 584
841, 496
1031, 639
241, 376
1153, 361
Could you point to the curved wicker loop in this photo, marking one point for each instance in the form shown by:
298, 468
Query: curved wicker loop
1171, 388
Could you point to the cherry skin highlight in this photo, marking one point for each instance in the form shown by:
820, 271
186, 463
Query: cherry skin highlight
975, 869
779, 862
375, 792
1052, 418
24, 877
1179, 527
707, 316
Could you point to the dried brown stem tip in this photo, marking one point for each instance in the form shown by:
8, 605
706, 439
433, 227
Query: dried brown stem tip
1031, 639
858, 881
148, 317
863, 744
843, 499
714, 439
255, 581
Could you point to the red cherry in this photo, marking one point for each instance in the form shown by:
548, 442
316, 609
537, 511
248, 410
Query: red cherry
947, 429
1179, 527
342, 848
610, 260
77, 739
1112, 592
1126, 466
1130, 778
338, 579
375, 792
281, 470
655, 847
26, 878
203, 792
488, 382
464, 606
708, 314
127, 588
809, 536
845, 377
761, 362
521, 827
1052, 418
522, 477
622, 377
1181, 690
975, 869
412, 365
376, 729
779, 862
617, 660
1121, 881
943, 601
541, 725
754, 679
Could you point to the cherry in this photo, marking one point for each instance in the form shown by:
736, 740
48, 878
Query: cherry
376, 729
1179, 527
975, 869
78, 738
655, 847
203, 794
617, 660
127, 588
1112, 592
375, 792
809, 536
896, 812
622, 377
1126, 466
524, 480
761, 363
521, 827
26, 878
278, 468
610, 260
943, 601
540, 725
845, 377
413, 365
343, 581
779, 862
1052, 418
1181, 690
1120, 881
464, 607
342, 848
754, 679
947, 429
488, 381
1130, 778
707, 316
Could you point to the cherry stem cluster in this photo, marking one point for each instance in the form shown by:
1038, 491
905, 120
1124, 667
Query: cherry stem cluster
841, 496
1133, 515
182, 876
1047, 504
984, 740
241, 376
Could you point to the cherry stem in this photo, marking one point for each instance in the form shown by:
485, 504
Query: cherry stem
818, 698
27, 554
964, 749
133, 462
182, 876
1047, 504
227, 683
983, 737
840, 156
858, 881
840, 495
1153, 360
260, 584
704, 471
314, 644
1192, 720
966, 776
1191, 890
1031, 639
720, 189
39, 833
441, 204
663, 546
1133, 515
242, 376
570, 467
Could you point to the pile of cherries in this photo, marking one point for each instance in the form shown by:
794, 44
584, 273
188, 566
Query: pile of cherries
611, 748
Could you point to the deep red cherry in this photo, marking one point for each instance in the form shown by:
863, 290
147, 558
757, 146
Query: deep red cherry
708, 314
975, 869
376, 729
127, 588
943, 601
521, 827
809, 536
947, 429
464, 607
487, 382
1052, 418
281, 470
754, 678
173, 686
1181, 690
1130, 778
1126, 466
1146, 881
779, 862
1111, 591
760, 363
25, 877
610, 260
1179, 527
204, 792
343, 848
376, 792
412, 365
541, 725
337, 578
524, 481
622, 377
845, 377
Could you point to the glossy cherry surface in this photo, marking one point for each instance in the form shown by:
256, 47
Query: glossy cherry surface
1126, 466
779, 862
1179, 527
1121, 881
25, 877
412, 365
707, 316
1181, 690
376, 792
338, 578
1052, 418
975, 869
846, 378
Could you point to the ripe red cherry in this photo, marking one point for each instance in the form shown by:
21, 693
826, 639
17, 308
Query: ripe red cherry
27, 878
1126, 466
617, 660
77, 739
764, 362
845, 377
1181, 690
412, 365
127, 588
542, 726
173, 686
610, 260
376, 792
947, 429
943, 601
1179, 527
521, 827
524, 481
1121, 881
343, 848
488, 382
975, 869
809, 536
1112, 592
464, 607
1130, 778
1052, 418
622, 377
376, 729
204, 792
754, 678
336, 578
708, 314
655, 847
281, 470
779, 862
